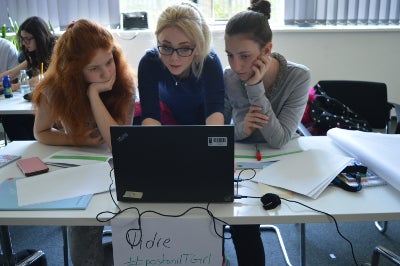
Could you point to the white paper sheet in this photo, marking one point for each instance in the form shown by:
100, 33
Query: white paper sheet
166, 241
64, 183
379, 152
308, 172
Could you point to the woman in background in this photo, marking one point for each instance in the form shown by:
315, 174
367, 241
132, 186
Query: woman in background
265, 99
36, 44
88, 87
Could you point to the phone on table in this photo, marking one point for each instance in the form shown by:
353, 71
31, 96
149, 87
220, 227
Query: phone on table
32, 166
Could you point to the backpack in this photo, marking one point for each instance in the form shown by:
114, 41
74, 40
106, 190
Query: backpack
326, 112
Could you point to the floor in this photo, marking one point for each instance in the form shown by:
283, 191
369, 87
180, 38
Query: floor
324, 246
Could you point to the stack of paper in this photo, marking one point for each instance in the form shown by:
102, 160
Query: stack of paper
379, 152
308, 172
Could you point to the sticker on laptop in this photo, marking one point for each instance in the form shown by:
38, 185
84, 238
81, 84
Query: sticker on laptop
133, 194
217, 141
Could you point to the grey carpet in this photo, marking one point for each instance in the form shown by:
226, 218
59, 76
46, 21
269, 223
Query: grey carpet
323, 244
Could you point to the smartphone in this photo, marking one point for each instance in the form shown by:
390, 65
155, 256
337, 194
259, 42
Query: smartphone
32, 166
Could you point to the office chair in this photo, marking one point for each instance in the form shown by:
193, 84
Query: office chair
27, 257
387, 254
369, 100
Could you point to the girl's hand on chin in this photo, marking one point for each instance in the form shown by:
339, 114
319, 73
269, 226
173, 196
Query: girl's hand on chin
100, 87
260, 67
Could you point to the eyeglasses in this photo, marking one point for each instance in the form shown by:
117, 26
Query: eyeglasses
183, 52
26, 40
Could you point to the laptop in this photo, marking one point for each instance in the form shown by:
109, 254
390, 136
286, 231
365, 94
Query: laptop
177, 163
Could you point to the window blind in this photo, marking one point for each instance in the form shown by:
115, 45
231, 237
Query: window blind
60, 12
342, 12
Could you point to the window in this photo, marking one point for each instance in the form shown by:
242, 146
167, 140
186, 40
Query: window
287, 12
59, 13
283, 12
216, 11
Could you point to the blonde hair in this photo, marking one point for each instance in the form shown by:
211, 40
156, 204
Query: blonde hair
188, 18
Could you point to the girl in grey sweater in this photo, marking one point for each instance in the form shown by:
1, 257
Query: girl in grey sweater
265, 99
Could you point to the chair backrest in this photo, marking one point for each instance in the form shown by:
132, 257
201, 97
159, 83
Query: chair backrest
368, 99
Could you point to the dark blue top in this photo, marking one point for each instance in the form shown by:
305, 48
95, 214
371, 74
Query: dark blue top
191, 100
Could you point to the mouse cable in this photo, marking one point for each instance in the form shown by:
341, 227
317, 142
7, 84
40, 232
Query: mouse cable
238, 196
336, 225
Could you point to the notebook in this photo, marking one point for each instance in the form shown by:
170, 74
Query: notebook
179, 163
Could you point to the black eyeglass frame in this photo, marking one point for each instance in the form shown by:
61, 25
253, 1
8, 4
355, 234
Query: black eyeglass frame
26, 39
162, 50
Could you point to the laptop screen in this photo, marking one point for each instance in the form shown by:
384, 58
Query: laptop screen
184, 163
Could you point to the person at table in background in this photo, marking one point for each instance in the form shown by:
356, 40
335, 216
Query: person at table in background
181, 81
36, 44
266, 96
8, 55
88, 87
8, 59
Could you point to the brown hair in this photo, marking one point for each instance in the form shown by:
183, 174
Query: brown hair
64, 82
253, 23
45, 42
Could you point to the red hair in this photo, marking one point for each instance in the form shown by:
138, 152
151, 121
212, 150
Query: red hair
64, 84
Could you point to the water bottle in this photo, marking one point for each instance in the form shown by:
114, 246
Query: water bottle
7, 86
23, 80
4, 31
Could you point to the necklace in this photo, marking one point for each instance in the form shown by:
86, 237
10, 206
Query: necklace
176, 81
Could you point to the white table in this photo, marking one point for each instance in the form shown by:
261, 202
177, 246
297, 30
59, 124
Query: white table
15, 105
371, 204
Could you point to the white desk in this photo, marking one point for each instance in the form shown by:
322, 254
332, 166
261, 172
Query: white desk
371, 204
15, 105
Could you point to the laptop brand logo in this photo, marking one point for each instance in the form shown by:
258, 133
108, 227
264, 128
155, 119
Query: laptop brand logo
122, 137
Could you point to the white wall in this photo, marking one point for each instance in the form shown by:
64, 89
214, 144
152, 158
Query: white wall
369, 55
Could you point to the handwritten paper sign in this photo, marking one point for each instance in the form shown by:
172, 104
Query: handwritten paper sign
166, 241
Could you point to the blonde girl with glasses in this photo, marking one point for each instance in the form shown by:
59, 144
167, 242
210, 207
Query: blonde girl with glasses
180, 81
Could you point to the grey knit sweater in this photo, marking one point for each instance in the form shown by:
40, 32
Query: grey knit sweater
284, 102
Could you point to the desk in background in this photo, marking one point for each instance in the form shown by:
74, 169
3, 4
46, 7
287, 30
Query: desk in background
370, 204
15, 105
